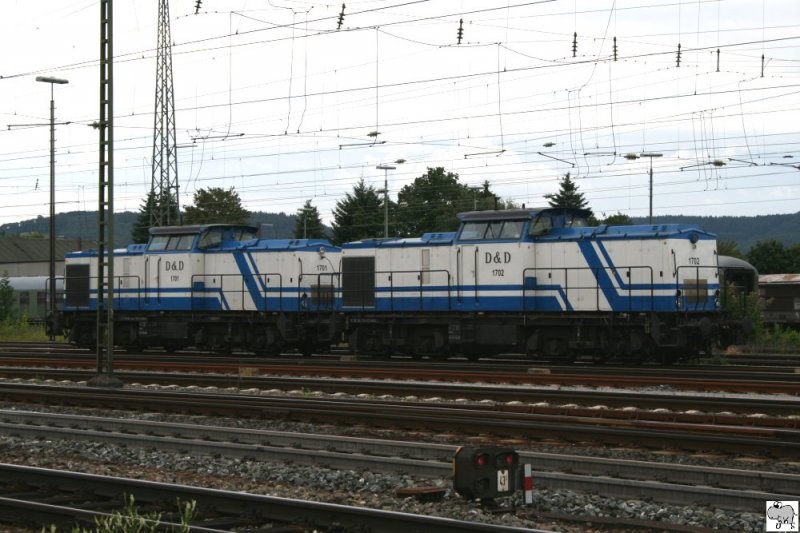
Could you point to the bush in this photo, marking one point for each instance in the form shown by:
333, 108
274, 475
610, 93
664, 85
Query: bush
780, 339
18, 329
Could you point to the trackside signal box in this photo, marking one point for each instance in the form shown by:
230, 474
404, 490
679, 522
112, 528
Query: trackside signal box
485, 472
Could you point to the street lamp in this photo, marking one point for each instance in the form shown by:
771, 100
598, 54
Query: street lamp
651, 155
386, 169
52, 307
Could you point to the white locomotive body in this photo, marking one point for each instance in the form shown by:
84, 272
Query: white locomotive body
215, 286
533, 280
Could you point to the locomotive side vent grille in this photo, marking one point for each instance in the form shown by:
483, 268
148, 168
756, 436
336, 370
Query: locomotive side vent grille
322, 296
696, 290
76, 285
358, 281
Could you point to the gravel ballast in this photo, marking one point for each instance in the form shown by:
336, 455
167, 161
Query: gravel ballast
358, 488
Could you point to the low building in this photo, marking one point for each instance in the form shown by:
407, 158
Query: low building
781, 294
25, 257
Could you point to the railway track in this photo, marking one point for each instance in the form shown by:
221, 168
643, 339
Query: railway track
41, 497
732, 364
738, 490
787, 382
549, 400
499, 420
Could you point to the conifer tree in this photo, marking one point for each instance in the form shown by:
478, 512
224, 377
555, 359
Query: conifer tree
308, 224
567, 195
359, 215
216, 205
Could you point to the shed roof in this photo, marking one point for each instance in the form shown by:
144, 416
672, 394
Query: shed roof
14, 249
783, 279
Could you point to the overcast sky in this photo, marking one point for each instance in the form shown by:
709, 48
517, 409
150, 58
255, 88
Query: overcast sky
274, 100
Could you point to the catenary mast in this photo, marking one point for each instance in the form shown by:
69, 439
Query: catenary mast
165, 209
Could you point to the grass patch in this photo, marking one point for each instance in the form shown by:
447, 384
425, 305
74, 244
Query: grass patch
130, 520
18, 330
777, 339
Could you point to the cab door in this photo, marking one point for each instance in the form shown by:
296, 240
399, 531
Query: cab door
467, 271
152, 278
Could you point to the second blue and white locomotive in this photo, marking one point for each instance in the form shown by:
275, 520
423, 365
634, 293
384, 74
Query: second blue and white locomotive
534, 281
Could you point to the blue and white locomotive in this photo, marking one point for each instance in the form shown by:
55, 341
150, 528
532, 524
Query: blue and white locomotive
533, 281
536, 281
216, 286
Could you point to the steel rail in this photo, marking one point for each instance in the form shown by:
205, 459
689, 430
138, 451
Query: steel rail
237, 508
711, 405
788, 382
740, 490
478, 419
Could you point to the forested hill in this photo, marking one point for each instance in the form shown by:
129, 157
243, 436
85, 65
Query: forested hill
83, 224
744, 231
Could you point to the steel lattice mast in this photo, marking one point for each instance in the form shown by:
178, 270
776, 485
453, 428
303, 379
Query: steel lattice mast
164, 185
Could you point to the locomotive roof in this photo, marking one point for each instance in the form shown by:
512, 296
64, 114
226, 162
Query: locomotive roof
195, 228
727, 261
519, 214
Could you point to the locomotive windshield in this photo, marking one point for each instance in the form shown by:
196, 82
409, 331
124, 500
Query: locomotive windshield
171, 242
497, 230
555, 219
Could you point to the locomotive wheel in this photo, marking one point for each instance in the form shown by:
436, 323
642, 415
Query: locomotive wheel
472, 355
598, 358
368, 341
556, 350
307, 348
430, 343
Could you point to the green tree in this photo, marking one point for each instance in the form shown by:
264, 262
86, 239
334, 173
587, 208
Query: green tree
141, 228
432, 201
150, 209
770, 257
729, 248
794, 255
483, 199
359, 215
567, 195
216, 205
618, 219
308, 224
6, 298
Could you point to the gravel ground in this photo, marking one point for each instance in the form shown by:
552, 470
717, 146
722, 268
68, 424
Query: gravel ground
364, 488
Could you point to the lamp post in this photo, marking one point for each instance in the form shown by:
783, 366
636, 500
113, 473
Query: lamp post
52, 289
651, 155
386, 169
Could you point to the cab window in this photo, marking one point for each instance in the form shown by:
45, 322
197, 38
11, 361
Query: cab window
541, 226
244, 234
501, 230
180, 242
210, 239
512, 229
473, 231
575, 221
158, 242
493, 230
